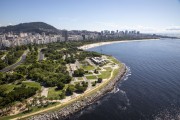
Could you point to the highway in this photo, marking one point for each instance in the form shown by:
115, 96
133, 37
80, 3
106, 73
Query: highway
8, 68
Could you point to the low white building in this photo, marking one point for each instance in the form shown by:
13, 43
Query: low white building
75, 38
98, 60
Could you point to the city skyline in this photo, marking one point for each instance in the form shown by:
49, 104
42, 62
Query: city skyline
150, 16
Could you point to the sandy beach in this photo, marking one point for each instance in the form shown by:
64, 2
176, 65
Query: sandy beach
88, 46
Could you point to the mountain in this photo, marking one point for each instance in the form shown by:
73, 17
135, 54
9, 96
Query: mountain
33, 27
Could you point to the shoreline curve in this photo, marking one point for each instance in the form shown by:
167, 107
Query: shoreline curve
75, 107
86, 101
93, 45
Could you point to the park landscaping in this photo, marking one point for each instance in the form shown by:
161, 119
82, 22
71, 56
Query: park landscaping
51, 77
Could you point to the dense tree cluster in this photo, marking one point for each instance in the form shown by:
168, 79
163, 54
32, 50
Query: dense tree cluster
18, 94
13, 55
79, 73
47, 74
70, 90
10, 77
31, 57
22, 69
81, 87
2, 64
52, 72
70, 59
78, 88
52, 54
84, 54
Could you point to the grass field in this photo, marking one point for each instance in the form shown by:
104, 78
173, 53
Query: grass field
79, 78
32, 84
87, 67
106, 74
53, 93
113, 59
91, 77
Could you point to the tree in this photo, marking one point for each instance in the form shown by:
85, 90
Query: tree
2, 64
36, 48
62, 95
30, 47
94, 83
79, 88
79, 73
99, 80
60, 85
96, 71
70, 90
2, 91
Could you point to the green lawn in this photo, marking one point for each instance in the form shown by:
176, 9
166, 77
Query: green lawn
98, 68
106, 74
79, 78
87, 67
53, 93
113, 59
32, 84
107, 68
91, 77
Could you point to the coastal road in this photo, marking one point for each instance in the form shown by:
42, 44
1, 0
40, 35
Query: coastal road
22, 59
72, 100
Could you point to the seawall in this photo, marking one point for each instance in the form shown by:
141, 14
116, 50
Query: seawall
69, 110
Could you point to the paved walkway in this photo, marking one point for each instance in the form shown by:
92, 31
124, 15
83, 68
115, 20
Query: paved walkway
44, 91
3, 57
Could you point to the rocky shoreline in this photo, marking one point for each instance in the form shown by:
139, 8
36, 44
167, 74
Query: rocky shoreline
68, 111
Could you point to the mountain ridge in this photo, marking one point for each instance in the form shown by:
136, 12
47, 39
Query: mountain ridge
30, 27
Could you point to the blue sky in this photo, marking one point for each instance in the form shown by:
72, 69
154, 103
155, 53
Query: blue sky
144, 15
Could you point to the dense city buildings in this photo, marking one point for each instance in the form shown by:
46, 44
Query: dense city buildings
11, 39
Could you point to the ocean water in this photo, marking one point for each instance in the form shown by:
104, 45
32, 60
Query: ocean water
151, 88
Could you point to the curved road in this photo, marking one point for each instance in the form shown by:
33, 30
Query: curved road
41, 55
23, 57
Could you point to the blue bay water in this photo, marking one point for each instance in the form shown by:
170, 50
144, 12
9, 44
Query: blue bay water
151, 89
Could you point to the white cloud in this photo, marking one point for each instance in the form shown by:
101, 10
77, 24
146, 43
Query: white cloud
173, 28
